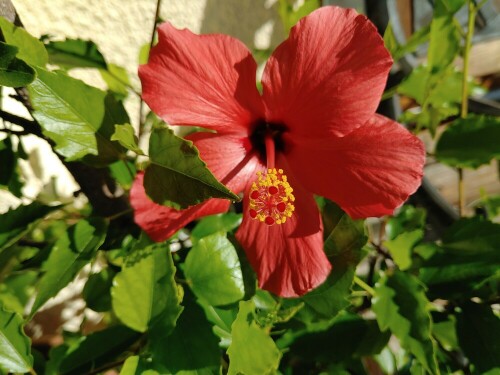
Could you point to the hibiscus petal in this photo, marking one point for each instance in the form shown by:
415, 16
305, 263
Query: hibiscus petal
228, 160
201, 80
328, 76
369, 172
288, 258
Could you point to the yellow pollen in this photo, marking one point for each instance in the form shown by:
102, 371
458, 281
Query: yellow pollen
271, 199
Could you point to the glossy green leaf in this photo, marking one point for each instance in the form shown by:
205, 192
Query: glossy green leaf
252, 350
13, 72
343, 247
148, 273
400, 305
125, 134
478, 330
470, 142
79, 118
177, 177
401, 247
76, 248
215, 223
95, 350
14, 224
349, 336
192, 347
222, 282
15, 346
31, 50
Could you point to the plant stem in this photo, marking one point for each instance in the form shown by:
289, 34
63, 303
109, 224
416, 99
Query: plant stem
465, 95
364, 286
141, 103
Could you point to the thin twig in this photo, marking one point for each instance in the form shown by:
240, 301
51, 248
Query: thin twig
29, 126
364, 286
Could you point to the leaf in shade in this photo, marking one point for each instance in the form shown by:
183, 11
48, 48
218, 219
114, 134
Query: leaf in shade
31, 50
147, 277
75, 53
13, 72
97, 290
222, 282
177, 177
117, 80
71, 252
14, 224
478, 330
192, 347
343, 247
400, 305
15, 346
125, 134
136, 365
79, 118
470, 142
96, 349
252, 350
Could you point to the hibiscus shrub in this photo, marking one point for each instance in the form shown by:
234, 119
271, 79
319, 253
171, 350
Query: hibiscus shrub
241, 246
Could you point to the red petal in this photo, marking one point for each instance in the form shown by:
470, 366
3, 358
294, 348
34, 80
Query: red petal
328, 76
228, 160
160, 222
201, 80
288, 258
369, 172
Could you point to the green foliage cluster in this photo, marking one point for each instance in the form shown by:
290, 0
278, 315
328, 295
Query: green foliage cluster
395, 301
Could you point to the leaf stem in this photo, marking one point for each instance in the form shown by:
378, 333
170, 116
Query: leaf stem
465, 95
364, 286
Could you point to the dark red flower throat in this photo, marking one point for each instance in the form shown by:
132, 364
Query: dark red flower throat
262, 130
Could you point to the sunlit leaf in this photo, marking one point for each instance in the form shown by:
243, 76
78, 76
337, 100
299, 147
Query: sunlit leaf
252, 350
222, 282
136, 365
79, 118
125, 134
400, 305
401, 247
31, 50
177, 177
215, 223
470, 142
76, 248
15, 346
147, 274
117, 80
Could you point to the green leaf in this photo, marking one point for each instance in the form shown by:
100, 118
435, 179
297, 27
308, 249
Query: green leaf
444, 42
16, 290
177, 177
13, 72
222, 319
136, 365
222, 282
148, 273
123, 172
125, 134
117, 80
14, 345
77, 117
191, 348
343, 247
252, 350
96, 349
31, 50
401, 247
478, 330
349, 336
398, 51
470, 142
71, 252
215, 223
14, 224
408, 218
400, 305
97, 290
75, 53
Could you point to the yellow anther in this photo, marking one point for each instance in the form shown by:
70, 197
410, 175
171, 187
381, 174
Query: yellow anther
271, 199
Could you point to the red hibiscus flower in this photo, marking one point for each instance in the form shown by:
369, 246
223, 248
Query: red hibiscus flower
312, 131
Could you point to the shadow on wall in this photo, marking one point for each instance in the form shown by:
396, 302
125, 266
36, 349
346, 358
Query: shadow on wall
248, 20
